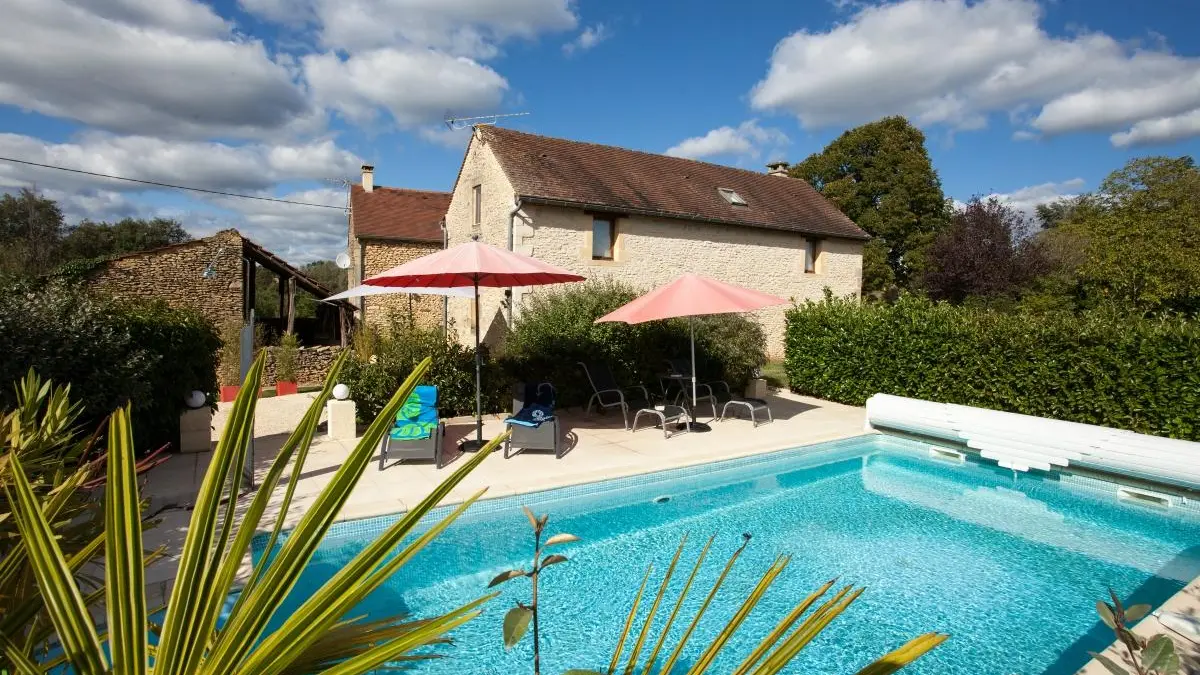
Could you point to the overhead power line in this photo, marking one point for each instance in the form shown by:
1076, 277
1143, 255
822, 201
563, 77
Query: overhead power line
169, 185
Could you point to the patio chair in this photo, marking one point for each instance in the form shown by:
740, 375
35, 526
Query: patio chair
607, 393
417, 432
681, 371
533, 425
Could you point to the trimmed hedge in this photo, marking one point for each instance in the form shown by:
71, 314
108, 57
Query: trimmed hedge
109, 352
1116, 371
556, 329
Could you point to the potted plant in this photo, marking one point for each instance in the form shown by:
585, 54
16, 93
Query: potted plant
229, 367
285, 364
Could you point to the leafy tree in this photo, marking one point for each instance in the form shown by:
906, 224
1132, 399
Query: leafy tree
981, 254
326, 273
880, 176
31, 227
90, 239
1066, 210
1143, 244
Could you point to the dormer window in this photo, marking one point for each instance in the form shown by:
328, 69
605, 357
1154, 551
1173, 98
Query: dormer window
732, 197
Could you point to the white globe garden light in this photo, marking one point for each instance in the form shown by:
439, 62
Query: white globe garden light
341, 392
195, 399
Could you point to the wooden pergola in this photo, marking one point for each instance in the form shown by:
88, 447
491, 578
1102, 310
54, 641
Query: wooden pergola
290, 279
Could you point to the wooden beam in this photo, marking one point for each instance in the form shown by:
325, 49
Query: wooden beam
291, 305
344, 325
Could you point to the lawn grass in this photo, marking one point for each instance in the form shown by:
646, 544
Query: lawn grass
775, 375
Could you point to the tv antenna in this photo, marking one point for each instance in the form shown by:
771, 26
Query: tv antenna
460, 123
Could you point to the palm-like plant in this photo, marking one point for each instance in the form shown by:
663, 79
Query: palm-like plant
193, 638
772, 654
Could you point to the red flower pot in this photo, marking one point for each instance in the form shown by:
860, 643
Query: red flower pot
283, 388
229, 392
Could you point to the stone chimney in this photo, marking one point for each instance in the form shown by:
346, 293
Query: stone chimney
777, 169
368, 178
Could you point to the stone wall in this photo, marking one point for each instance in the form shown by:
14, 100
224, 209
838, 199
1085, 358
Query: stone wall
176, 274
312, 364
480, 167
382, 255
651, 252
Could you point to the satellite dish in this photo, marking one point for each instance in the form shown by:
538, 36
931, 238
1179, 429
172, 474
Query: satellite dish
342, 261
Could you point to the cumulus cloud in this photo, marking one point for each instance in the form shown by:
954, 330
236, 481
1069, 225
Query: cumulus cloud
588, 38
1027, 199
416, 86
170, 69
472, 28
952, 62
748, 139
1161, 130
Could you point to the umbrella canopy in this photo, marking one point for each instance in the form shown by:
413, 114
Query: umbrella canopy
691, 295
472, 264
365, 290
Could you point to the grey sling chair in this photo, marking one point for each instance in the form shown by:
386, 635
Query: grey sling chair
607, 393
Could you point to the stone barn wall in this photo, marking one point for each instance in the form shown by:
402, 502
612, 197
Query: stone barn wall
382, 255
312, 364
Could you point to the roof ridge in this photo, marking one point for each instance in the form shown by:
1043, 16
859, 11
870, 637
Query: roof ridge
404, 189
641, 152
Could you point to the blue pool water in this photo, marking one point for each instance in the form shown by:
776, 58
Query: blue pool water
1010, 566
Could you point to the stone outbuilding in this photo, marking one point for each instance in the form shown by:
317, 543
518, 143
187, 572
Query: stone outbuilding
604, 211
215, 276
388, 227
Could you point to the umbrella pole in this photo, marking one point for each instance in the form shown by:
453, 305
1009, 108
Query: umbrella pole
692, 325
478, 378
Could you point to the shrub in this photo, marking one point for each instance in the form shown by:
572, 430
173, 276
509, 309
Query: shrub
285, 358
110, 352
380, 360
557, 329
1095, 368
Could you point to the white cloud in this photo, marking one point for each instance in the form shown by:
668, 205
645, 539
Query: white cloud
298, 234
1024, 135
952, 62
1161, 130
416, 86
588, 38
455, 139
1027, 199
748, 139
170, 69
462, 27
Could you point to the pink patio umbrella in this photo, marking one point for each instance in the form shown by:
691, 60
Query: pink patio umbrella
473, 264
691, 295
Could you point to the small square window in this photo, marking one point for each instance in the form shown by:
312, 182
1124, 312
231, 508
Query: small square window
732, 197
811, 251
604, 235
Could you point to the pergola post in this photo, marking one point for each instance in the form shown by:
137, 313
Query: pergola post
248, 287
344, 324
288, 295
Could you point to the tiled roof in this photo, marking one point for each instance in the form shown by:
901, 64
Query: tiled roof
394, 213
554, 170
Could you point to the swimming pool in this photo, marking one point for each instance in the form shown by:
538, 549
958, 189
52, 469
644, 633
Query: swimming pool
1010, 565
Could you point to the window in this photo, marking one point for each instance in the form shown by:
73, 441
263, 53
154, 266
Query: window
604, 235
811, 251
476, 194
731, 197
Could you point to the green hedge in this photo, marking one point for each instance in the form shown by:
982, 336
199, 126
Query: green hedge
1115, 371
380, 361
109, 352
556, 329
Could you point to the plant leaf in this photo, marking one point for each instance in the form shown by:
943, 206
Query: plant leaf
123, 567
553, 560
533, 521
683, 594
516, 622
1108, 663
1136, 612
1158, 652
906, 654
1106, 614
658, 598
562, 538
505, 576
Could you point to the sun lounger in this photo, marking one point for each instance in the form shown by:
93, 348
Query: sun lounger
534, 425
417, 432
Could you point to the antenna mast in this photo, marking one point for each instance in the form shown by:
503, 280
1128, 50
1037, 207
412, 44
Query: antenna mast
460, 123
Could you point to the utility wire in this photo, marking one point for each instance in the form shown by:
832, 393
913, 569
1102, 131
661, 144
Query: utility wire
169, 185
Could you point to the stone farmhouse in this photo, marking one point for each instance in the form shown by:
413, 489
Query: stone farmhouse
604, 211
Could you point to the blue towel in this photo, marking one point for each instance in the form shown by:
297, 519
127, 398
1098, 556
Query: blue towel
532, 415
418, 417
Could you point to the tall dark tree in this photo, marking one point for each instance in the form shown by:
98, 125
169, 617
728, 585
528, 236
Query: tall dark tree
31, 228
880, 176
326, 273
981, 254
90, 239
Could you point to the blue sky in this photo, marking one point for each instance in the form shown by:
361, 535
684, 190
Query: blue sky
1018, 98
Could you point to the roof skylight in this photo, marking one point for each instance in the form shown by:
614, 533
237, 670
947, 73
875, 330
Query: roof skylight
732, 197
